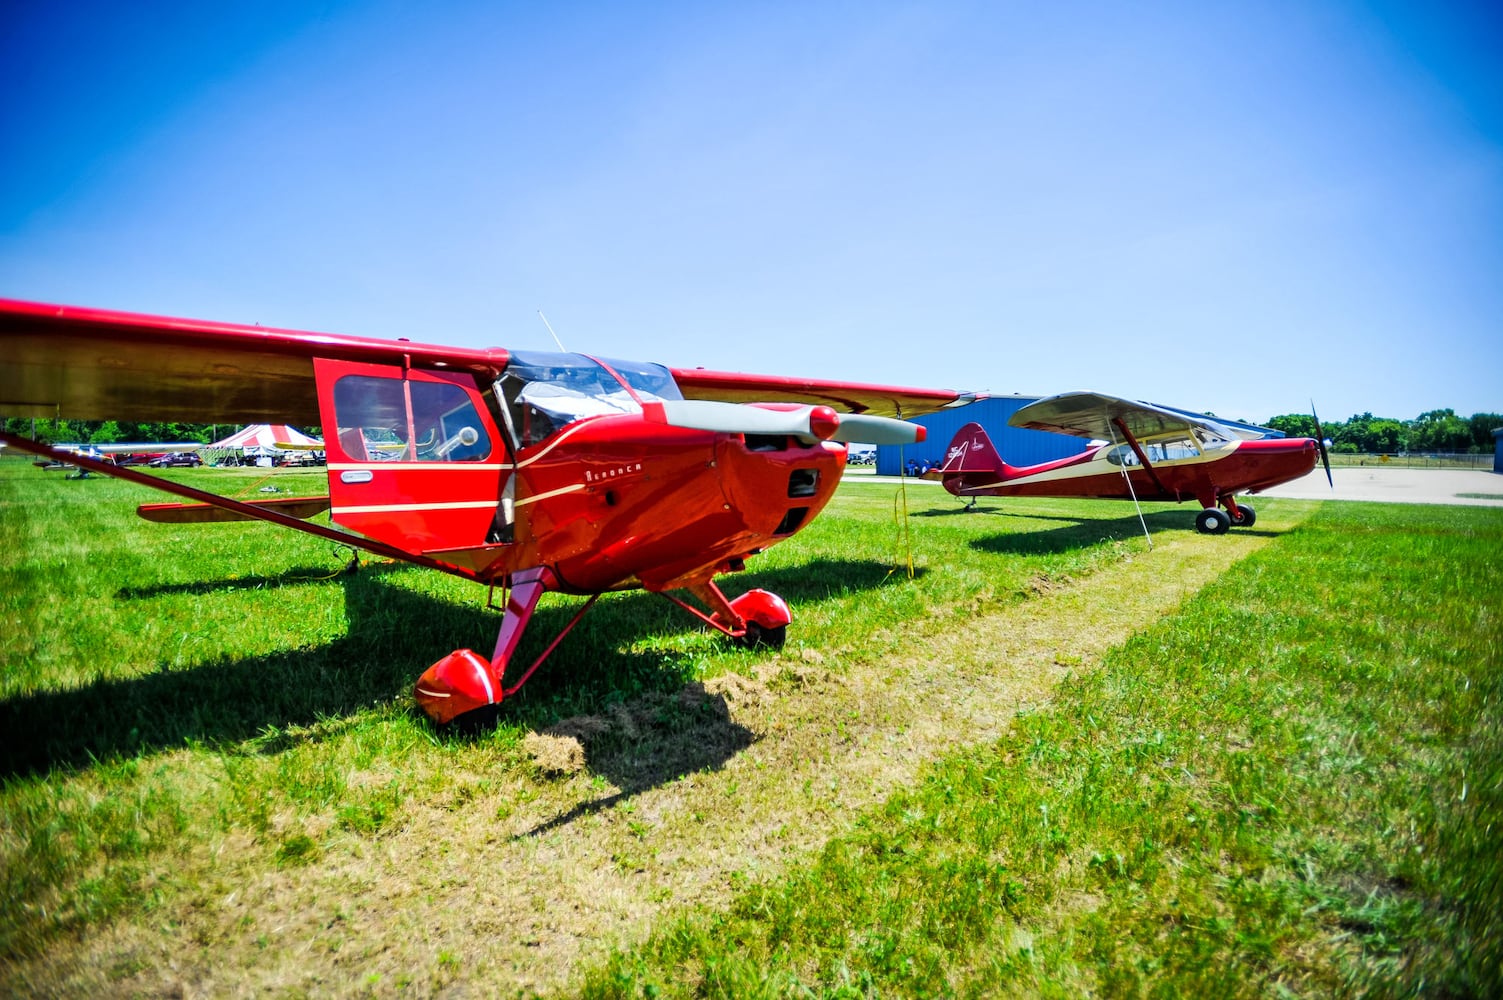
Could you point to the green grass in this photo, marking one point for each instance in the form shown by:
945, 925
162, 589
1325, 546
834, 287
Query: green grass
166, 687
194, 714
1294, 786
131, 637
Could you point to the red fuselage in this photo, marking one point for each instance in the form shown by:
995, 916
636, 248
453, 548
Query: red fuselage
1236, 467
621, 501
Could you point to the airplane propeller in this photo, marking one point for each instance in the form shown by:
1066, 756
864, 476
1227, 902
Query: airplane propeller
1320, 442
820, 423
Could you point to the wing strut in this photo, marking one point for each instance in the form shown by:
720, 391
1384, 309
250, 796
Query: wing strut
1130, 489
246, 510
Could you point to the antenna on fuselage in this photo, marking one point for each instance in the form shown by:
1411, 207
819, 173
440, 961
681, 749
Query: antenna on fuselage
560, 343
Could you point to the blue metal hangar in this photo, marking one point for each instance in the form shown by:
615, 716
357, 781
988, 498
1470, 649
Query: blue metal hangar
1016, 445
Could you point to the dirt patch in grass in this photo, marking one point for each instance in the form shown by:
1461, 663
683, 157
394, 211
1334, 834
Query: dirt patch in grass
680, 800
554, 755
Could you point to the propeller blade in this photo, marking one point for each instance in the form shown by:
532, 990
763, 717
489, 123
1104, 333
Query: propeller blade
817, 422
1320, 442
810, 422
866, 429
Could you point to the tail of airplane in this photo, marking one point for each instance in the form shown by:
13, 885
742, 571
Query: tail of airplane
972, 461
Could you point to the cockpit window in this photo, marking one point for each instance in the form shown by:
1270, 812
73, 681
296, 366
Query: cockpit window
1169, 449
372, 416
448, 427
374, 421
1210, 439
544, 393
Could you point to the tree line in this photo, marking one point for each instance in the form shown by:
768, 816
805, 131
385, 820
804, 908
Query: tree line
56, 431
1432, 432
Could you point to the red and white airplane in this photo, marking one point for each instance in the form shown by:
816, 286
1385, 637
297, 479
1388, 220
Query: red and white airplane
1145, 452
530, 471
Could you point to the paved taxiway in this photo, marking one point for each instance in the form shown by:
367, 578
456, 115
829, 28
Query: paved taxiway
1381, 483
1390, 485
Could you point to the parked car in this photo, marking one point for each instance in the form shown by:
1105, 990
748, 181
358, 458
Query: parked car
177, 460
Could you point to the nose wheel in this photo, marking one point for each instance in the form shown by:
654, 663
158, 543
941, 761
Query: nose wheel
758, 636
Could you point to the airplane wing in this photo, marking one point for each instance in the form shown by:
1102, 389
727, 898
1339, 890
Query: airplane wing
847, 397
90, 364
1092, 415
132, 447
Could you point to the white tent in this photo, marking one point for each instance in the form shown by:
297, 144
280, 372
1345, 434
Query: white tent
261, 441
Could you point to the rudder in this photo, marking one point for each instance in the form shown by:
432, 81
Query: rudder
971, 460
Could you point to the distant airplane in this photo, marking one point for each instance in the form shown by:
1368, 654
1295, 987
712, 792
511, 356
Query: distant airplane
530, 471
118, 453
1144, 452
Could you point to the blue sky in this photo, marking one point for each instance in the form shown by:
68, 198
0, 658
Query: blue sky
1227, 207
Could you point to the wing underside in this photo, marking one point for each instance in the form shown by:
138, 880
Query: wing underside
1096, 416
847, 397
94, 365
91, 364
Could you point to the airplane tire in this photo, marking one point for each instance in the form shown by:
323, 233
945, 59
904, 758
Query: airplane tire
1249, 516
757, 637
1212, 521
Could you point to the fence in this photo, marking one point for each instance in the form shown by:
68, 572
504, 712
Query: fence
1417, 461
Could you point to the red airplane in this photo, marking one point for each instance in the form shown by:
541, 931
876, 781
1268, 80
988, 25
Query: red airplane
1147, 452
533, 471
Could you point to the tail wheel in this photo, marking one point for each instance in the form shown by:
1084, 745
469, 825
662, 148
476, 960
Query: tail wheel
1212, 521
1245, 517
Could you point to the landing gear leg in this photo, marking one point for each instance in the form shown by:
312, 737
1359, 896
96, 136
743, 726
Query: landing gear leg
756, 618
465, 682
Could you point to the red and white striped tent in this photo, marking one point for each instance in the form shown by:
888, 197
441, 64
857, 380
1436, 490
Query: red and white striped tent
261, 439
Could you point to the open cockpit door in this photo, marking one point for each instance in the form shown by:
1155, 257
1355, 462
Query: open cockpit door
415, 460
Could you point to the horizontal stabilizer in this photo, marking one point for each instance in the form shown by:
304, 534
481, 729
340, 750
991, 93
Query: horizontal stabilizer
207, 513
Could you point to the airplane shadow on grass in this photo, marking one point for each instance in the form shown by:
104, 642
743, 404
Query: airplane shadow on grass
294, 577
651, 741
393, 635
1078, 532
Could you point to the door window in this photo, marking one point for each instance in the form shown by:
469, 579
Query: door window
375, 424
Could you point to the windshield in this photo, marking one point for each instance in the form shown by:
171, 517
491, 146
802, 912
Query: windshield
1211, 438
653, 383
544, 393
